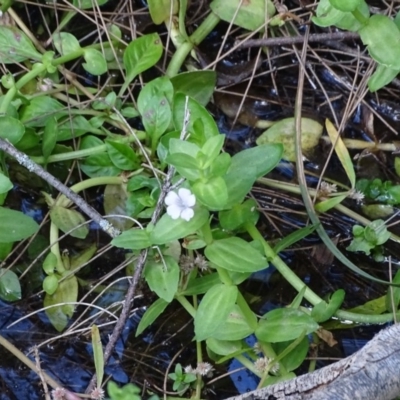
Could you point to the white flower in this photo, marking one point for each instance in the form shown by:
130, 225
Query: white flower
180, 205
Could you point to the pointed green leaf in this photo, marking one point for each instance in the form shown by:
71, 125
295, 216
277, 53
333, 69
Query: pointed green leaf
235, 254
151, 314
284, 324
98, 355
163, 277
15, 226
213, 310
168, 229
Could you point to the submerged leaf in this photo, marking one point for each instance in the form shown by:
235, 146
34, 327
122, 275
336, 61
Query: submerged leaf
284, 132
10, 288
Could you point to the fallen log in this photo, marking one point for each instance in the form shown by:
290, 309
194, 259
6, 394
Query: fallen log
372, 373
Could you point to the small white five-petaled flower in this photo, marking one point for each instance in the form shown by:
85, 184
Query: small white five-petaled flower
180, 205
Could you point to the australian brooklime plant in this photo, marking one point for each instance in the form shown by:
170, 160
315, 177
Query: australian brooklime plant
206, 242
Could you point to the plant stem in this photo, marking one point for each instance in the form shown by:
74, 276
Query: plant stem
311, 296
77, 154
196, 38
186, 305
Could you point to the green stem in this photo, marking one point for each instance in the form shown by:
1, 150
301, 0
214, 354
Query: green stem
63, 201
55, 247
186, 305
196, 38
98, 181
359, 17
311, 296
224, 276
248, 364
251, 319
281, 266
77, 154
199, 380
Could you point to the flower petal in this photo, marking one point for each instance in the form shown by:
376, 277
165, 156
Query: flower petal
174, 211
188, 199
187, 214
171, 198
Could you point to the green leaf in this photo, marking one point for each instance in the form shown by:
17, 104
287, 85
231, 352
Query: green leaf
66, 43
325, 205
68, 220
213, 310
247, 166
72, 128
99, 165
5, 183
160, 10
199, 85
235, 327
346, 5
162, 276
132, 239
154, 105
140, 55
15, 226
11, 129
284, 324
49, 139
122, 155
224, 347
381, 36
59, 312
50, 284
115, 199
50, 264
39, 110
182, 160
235, 254
196, 113
342, 152
201, 284
97, 355
323, 311
85, 4
95, 62
295, 358
10, 288
284, 132
81, 258
168, 229
151, 314
239, 215
211, 149
381, 77
213, 193
250, 15
327, 15
15, 46
292, 238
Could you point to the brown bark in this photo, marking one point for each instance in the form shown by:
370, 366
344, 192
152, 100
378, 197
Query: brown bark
372, 373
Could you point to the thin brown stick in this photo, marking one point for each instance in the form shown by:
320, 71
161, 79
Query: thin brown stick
288, 40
